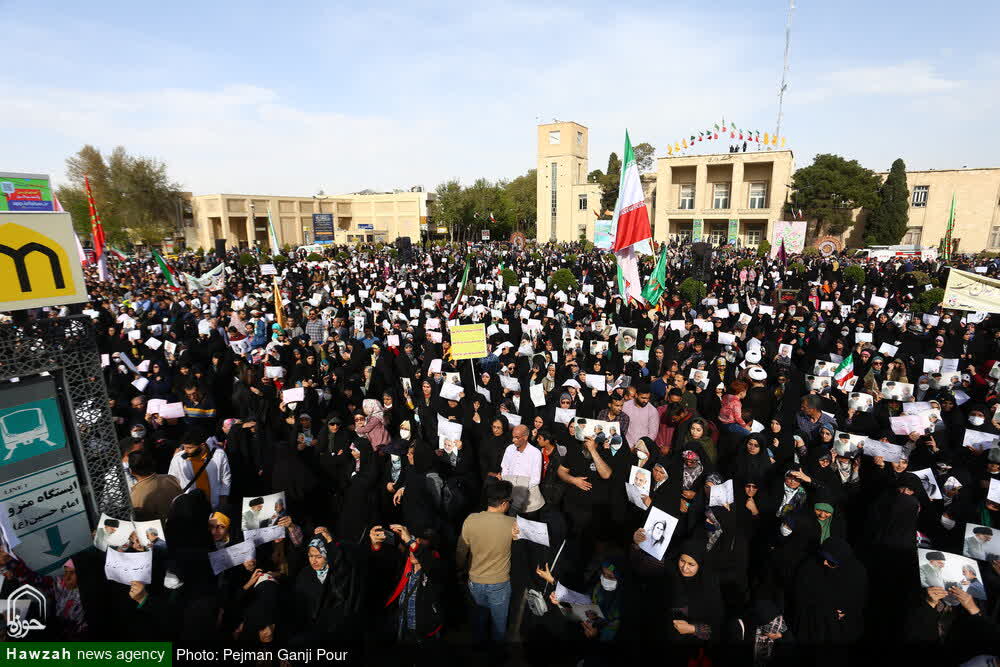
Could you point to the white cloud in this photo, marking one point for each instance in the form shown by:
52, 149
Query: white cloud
906, 79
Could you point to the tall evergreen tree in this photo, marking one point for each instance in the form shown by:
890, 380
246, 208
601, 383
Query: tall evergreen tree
886, 223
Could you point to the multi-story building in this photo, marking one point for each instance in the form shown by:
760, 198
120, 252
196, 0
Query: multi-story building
242, 219
712, 197
567, 203
977, 209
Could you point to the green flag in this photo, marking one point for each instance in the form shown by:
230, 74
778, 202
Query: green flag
657, 283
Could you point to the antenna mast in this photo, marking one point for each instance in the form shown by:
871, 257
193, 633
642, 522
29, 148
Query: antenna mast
784, 71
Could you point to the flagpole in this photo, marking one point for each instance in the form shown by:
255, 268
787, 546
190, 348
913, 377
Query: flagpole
784, 71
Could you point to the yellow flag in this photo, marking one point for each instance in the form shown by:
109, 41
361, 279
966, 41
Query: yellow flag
677, 147
670, 149
685, 143
782, 142
766, 140
279, 309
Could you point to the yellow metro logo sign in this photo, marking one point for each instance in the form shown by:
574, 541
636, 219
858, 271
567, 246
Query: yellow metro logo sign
38, 262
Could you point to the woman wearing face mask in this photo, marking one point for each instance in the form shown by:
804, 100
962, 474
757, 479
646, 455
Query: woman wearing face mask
606, 593
392, 473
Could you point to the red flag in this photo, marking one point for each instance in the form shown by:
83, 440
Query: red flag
97, 234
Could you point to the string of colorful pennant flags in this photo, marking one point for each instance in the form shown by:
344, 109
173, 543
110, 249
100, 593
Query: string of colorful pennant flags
720, 131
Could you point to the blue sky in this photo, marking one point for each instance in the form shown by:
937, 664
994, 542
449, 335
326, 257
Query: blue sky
259, 98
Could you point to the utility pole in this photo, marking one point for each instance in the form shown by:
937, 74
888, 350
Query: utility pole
784, 71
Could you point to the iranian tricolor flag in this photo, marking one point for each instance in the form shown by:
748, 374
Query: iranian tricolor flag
169, 275
845, 371
631, 225
461, 289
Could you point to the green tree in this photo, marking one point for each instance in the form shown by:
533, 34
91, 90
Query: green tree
886, 223
449, 206
829, 190
644, 156
522, 199
609, 186
136, 199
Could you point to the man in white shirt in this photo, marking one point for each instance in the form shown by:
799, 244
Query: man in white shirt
216, 478
520, 459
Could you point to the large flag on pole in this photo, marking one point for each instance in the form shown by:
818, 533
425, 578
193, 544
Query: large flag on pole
461, 290
97, 234
657, 283
170, 276
631, 219
630, 224
946, 250
275, 246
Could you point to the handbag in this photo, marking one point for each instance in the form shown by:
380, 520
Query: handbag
537, 602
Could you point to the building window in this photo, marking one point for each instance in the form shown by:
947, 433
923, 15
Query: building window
552, 186
582, 202
758, 195
683, 234
753, 237
554, 137
579, 138
995, 238
582, 232
717, 236
720, 195
687, 196
920, 195
912, 236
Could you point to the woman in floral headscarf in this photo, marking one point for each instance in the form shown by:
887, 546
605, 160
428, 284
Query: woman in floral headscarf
374, 426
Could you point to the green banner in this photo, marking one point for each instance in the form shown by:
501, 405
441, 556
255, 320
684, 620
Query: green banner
71, 654
697, 230
25, 193
734, 232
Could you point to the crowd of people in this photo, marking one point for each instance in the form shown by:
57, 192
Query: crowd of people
780, 468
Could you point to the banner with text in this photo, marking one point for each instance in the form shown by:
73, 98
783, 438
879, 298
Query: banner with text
969, 291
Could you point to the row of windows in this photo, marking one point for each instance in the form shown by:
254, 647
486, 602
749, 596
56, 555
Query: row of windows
757, 197
752, 237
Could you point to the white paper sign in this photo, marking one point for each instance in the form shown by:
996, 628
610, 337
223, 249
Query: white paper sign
721, 494
172, 411
237, 554
293, 395
533, 531
128, 567
564, 416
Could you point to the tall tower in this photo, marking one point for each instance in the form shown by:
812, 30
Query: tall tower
561, 171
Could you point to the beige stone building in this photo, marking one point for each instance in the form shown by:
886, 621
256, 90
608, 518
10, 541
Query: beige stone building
977, 209
567, 203
706, 192
242, 219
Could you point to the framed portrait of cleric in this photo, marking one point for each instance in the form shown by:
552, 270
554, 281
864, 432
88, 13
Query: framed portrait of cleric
263, 511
